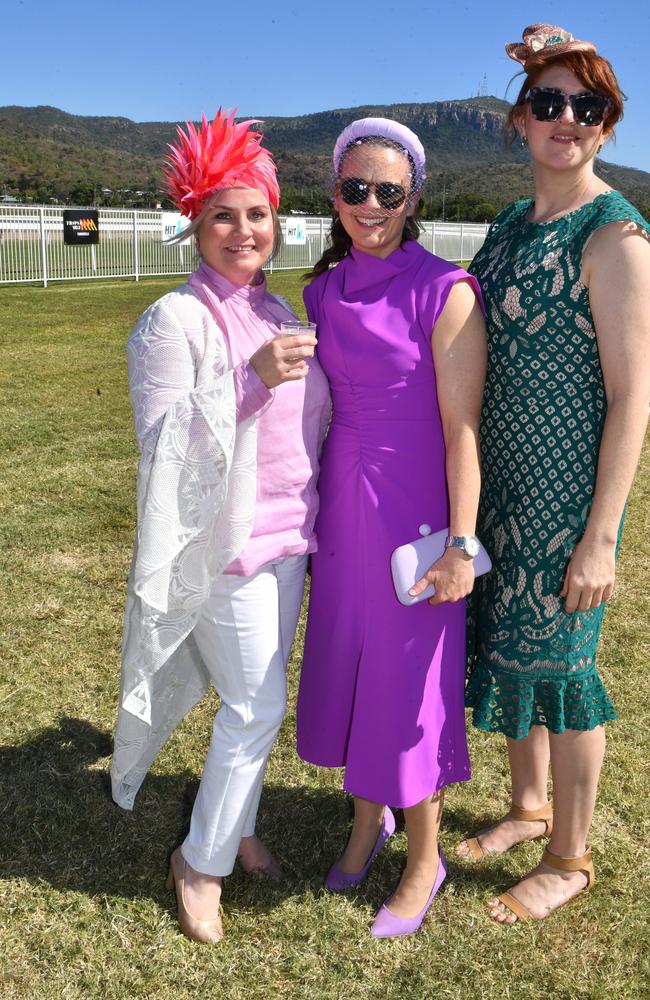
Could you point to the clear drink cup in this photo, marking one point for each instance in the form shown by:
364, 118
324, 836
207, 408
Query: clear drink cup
297, 326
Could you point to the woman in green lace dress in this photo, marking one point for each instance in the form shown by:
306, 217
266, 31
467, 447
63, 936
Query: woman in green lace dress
566, 282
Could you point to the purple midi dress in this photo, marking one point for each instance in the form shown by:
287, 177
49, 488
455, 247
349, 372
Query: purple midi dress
381, 690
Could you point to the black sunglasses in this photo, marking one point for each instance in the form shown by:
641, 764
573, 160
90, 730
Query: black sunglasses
354, 191
547, 104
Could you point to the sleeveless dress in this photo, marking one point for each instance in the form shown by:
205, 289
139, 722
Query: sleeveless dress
532, 663
381, 690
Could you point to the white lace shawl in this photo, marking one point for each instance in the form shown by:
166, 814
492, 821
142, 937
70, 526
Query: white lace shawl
195, 497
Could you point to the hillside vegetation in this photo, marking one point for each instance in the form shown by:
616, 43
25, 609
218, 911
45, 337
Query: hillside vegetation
47, 154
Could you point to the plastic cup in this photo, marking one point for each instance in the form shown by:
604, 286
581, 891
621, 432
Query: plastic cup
297, 326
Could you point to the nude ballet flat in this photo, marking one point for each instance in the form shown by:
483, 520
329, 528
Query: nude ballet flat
207, 931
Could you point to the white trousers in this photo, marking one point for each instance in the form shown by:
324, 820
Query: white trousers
244, 635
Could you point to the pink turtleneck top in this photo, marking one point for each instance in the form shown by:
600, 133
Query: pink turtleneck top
291, 421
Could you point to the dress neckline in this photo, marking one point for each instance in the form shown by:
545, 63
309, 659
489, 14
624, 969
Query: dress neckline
368, 270
227, 289
529, 202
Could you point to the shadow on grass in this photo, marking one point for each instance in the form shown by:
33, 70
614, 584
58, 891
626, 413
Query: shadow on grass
60, 826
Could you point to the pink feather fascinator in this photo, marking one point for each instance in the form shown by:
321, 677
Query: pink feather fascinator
218, 155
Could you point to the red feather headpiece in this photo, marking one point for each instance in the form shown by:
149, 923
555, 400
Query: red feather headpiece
218, 155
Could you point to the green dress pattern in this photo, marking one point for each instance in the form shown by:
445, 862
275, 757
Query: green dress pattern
531, 662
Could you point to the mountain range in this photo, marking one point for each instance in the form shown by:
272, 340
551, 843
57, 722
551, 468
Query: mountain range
49, 155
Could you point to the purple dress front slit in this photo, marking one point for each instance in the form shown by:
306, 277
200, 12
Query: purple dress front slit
381, 691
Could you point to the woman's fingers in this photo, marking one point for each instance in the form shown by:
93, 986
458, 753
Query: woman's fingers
295, 347
283, 358
449, 594
451, 580
597, 597
291, 360
589, 578
421, 585
572, 593
582, 597
296, 372
584, 604
298, 357
295, 340
448, 589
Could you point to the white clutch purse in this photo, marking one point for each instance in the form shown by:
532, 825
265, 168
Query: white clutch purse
410, 562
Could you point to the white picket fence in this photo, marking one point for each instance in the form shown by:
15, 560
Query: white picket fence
131, 245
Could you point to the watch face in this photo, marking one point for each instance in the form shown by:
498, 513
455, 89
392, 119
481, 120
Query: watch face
471, 547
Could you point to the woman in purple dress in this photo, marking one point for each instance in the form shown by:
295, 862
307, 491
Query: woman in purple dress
402, 341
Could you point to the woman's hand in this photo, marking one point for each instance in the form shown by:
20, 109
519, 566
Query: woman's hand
452, 577
282, 359
589, 577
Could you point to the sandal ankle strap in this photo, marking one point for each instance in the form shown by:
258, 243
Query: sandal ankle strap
582, 863
544, 813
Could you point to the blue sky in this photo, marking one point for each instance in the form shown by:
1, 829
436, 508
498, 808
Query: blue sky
165, 61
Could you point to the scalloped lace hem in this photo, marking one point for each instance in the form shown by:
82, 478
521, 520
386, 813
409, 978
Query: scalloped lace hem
511, 703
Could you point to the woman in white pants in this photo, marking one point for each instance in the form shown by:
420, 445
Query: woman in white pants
229, 416
244, 635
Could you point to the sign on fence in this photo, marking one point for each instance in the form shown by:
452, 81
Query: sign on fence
172, 224
296, 232
80, 227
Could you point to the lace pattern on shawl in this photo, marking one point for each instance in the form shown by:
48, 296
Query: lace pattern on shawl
196, 495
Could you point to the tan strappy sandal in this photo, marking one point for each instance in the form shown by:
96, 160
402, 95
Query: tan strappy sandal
583, 863
544, 814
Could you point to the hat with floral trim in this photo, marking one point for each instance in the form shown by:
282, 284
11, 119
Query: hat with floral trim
545, 41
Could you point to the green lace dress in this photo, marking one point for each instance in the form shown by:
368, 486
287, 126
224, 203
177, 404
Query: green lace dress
531, 662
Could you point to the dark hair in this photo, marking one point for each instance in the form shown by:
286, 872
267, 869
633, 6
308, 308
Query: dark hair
340, 242
594, 73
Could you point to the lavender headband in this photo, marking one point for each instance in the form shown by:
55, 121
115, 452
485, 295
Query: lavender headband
385, 128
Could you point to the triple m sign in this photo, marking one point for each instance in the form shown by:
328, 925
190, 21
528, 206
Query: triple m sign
80, 227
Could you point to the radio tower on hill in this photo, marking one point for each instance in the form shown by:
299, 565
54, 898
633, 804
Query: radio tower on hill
482, 87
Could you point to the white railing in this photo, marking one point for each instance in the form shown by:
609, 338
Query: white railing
131, 245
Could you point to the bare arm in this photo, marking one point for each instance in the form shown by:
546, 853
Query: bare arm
460, 358
616, 269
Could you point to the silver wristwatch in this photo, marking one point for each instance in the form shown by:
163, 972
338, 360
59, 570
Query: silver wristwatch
468, 544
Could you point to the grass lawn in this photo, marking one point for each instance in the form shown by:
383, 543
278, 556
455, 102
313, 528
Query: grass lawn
83, 909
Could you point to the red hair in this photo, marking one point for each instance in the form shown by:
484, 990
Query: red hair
594, 72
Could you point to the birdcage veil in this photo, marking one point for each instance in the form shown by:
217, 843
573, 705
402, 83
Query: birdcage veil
389, 134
